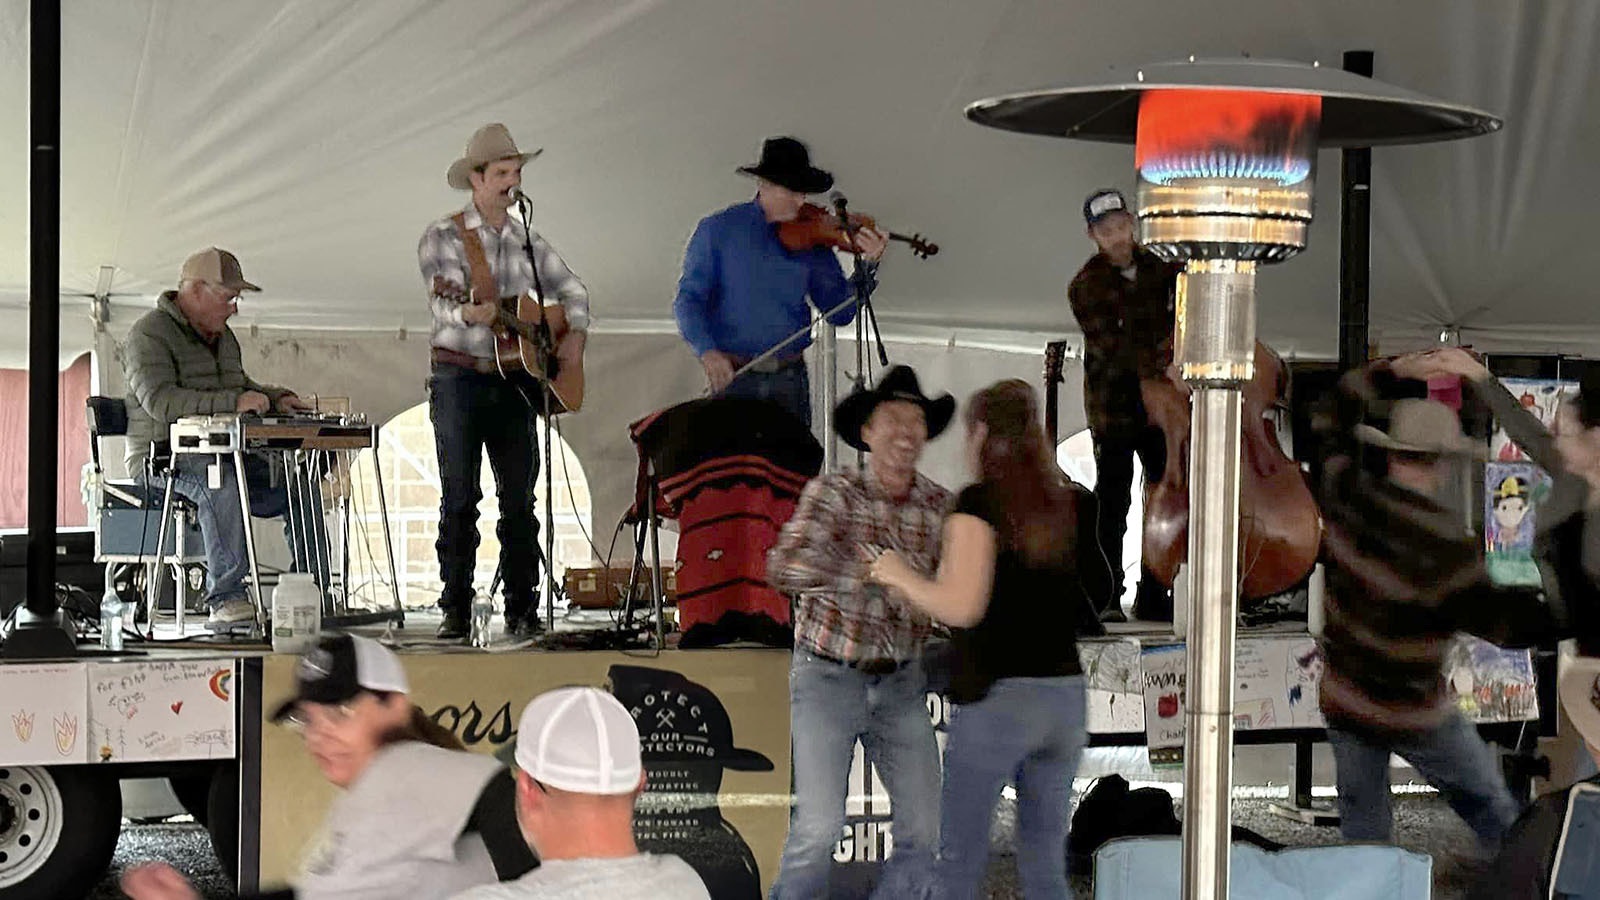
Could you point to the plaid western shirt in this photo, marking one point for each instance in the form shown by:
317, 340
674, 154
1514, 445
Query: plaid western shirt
819, 558
1127, 335
441, 253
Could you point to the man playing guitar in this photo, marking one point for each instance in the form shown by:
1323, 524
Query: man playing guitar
473, 403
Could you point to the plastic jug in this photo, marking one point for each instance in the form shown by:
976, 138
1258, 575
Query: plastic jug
296, 613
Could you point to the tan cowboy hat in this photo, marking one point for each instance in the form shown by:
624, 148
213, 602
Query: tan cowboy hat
490, 143
1422, 426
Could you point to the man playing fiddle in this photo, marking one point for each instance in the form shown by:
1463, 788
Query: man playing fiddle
1123, 301
742, 292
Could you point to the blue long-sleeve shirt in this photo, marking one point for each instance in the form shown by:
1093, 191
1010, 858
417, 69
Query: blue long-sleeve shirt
742, 292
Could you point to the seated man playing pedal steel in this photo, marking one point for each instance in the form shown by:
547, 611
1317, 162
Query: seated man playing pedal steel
182, 359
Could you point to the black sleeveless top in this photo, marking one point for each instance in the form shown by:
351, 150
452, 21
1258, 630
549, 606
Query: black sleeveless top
1036, 612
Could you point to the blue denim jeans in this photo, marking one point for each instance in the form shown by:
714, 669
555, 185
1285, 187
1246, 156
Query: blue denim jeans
221, 517
1451, 757
789, 387
831, 706
473, 412
1029, 732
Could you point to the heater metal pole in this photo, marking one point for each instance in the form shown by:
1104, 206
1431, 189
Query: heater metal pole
1214, 557
1215, 352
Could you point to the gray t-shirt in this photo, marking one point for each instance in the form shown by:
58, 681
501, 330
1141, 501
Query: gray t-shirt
647, 876
397, 831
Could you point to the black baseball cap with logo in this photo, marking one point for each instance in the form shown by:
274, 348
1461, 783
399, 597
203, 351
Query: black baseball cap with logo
1103, 203
340, 667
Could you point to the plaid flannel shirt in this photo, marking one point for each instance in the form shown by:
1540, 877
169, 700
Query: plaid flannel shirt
1127, 335
441, 253
819, 558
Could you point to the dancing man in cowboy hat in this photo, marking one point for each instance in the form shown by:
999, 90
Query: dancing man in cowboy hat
1404, 574
472, 406
742, 292
857, 672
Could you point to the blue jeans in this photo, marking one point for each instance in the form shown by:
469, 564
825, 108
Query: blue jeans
1029, 732
831, 707
1451, 757
789, 387
473, 412
221, 517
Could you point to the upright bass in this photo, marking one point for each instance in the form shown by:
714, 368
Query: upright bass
1280, 528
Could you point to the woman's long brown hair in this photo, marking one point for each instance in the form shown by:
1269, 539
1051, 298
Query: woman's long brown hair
1018, 464
421, 728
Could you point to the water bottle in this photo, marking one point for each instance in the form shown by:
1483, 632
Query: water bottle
112, 610
482, 618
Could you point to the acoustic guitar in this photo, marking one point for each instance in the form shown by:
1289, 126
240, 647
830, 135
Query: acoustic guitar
526, 351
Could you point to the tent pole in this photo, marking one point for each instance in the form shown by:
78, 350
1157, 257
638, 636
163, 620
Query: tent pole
828, 373
40, 631
1355, 239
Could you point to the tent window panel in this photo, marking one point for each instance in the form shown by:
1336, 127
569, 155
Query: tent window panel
411, 477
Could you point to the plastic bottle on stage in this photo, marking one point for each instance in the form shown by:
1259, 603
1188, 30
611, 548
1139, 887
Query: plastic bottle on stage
296, 613
482, 619
112, 611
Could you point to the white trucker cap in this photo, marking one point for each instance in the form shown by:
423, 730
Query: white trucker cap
579, 739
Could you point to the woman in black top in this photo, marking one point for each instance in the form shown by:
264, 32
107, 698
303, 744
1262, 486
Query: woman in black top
1010, 587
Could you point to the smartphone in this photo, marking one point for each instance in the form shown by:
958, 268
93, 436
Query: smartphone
1575, 874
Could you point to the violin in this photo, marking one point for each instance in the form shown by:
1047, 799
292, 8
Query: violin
818, 227
1280, 527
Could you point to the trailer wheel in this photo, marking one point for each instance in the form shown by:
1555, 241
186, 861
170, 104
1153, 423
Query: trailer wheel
58, 830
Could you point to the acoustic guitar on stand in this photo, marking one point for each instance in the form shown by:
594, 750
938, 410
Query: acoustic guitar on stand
526, 349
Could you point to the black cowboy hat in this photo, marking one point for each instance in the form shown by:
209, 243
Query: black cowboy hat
787, 162
899, 383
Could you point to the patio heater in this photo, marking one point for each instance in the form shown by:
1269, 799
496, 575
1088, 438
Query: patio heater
1225, 152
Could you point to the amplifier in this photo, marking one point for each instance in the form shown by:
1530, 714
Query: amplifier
603, 588
75, 565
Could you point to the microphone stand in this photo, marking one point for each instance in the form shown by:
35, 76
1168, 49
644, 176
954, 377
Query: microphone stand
547, 351
862, 284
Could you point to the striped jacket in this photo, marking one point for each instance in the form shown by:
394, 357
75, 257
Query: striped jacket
1404, 574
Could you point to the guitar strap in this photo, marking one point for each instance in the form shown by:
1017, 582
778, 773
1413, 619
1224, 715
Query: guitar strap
479, 276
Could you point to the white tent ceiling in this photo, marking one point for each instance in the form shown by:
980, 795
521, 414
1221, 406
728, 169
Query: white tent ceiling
312, 137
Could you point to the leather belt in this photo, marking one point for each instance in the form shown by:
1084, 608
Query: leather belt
875, 666
771, 364
461, 360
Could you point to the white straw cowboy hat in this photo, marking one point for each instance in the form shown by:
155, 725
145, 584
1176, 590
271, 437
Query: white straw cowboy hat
491, 143
1423, 427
